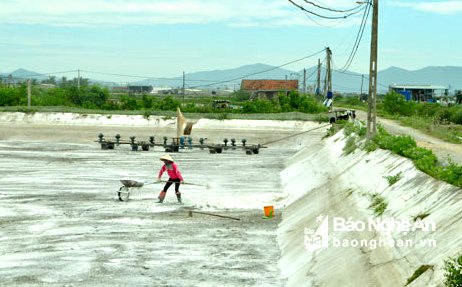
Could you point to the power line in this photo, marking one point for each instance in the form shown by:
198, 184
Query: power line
146, 77
366, 9
323, 16
358, 75
261, 72
331, 9
126, 75
359, 37
323, 25
43, 74
314, 72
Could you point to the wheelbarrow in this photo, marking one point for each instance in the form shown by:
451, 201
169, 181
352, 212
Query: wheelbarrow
124, 191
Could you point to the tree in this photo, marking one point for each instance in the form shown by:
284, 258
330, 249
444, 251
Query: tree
51, 80
63, 82
395, 104
168, 104
9, 96
128, 103
147, 101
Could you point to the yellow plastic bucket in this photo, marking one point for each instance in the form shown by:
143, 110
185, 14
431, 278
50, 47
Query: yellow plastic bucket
269, 211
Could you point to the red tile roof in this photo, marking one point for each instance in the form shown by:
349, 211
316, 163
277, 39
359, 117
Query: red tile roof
269, 85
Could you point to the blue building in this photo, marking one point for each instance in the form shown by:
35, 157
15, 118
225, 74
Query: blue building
420, 93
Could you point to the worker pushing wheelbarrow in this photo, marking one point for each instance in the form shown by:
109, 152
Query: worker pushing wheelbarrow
173, 172
174, 177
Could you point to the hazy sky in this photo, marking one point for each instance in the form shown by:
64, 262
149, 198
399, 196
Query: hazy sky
164, 38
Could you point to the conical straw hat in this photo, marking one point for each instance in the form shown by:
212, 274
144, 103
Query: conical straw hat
166, 157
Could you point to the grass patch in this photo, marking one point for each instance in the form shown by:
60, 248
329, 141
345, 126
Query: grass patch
349, 191
223, 116
420, 216
350, 146
453, 272
332, 130
419, 271
448, 132
424, 159
392, 179
378, 204
370, 146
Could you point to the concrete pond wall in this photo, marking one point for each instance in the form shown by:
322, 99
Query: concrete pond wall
327, 235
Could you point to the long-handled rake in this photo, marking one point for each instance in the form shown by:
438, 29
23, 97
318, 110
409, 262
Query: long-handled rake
124, 191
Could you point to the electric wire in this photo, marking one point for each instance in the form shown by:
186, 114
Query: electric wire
261, 72
359, 75
42, 74
139, 76
358, 39
323, 16
297, 134
331, 9
320, 24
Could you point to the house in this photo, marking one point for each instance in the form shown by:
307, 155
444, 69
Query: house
132, 90
420, 93
268, 89
139, 89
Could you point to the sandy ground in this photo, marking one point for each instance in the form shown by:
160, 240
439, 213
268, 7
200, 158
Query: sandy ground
62, 225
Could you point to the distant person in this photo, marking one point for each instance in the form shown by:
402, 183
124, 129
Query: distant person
329, 100
174, 177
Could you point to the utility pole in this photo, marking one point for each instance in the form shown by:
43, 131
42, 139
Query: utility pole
318, 83
183, 90
78, 80
362, 81
304, 81
372, 99
29, 82
329, 102
328, 87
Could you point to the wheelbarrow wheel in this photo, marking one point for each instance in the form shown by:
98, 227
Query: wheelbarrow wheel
123, 193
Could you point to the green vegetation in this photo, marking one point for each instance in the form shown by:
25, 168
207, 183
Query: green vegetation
350, 145
424, 159
419, 271
392, 179
453, 272
96, 98
349, 191
333, 130
378, 204
420, 216
66, 97
355, 133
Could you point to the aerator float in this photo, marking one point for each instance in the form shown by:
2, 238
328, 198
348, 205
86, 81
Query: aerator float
176, 144
181, 141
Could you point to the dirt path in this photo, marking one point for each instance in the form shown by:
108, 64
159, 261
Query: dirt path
441, 148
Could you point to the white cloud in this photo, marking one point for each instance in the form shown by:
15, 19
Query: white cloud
438, 7
145, 12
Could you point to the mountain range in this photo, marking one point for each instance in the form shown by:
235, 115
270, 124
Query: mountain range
345, 82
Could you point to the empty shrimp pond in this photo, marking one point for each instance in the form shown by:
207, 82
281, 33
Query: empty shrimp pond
62, 224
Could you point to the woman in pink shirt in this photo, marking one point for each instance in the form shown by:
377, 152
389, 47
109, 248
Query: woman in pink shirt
174, 177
